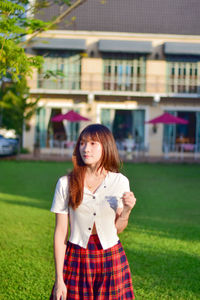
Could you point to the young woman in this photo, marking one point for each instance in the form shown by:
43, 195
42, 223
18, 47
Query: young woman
97, 201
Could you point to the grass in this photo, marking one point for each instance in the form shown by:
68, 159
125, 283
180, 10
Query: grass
161, 240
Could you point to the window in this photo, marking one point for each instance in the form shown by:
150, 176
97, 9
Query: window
124, 73
183, 77
125, 123
69, 66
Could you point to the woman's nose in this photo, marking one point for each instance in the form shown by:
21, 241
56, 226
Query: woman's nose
86, 147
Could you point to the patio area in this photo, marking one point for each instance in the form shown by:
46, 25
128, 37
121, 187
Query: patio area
58, 154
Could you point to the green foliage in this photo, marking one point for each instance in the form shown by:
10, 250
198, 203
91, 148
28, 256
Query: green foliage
11, 7
24, 151
14, 26
15, 64
33, 25
45, 4
67, 2
50, 73
15, 108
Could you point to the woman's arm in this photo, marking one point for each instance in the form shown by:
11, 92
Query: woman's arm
122, 217
121, 222
60, 240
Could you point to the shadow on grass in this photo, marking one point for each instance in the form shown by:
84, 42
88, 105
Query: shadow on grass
166, 228
34, 180
153, 226
172, 273
24, 201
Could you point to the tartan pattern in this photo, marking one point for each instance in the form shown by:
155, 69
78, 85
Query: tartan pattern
97, 274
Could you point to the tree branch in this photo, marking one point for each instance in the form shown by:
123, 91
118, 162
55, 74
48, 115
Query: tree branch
56, 21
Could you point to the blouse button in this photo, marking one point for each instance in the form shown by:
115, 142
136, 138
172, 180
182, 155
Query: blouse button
94, 214
93, 197
104, 186
89, 228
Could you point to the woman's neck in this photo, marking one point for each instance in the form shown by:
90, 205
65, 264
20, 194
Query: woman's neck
94, 171
94, 178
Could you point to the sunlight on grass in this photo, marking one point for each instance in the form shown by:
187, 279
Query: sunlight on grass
161, 241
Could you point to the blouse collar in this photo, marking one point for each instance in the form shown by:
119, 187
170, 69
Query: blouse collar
102, 185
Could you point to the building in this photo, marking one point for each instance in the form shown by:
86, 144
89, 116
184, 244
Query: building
124, 63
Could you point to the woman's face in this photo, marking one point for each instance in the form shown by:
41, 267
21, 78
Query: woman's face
91, 152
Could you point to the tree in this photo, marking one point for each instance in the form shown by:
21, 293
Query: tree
15, 64
15, 26
18, 107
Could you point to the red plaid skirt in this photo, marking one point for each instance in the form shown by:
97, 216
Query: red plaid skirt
97, 274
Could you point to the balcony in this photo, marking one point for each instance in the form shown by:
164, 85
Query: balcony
134, 84
183, 85
99, 85
71, 83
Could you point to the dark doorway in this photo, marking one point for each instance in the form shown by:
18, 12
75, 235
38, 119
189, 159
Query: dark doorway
122, 124
56, 131
187, 132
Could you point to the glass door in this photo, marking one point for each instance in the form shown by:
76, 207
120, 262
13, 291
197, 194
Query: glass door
169, 136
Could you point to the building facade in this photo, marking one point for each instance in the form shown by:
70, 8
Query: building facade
120, 79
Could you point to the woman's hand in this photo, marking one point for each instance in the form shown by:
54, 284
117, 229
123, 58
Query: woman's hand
60, 291
129, 202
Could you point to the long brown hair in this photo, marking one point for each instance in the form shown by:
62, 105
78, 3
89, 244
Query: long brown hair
110, 160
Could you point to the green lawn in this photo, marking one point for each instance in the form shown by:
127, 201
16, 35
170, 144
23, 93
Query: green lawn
161, 241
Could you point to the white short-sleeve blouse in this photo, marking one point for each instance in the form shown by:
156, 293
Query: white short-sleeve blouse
99, 208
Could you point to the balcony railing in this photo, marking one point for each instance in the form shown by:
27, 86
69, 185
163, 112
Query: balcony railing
72, 83
96, 82
136, 84
183, 85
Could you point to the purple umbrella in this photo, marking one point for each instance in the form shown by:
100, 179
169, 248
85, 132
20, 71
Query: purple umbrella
57, 118
71, 116
167, 118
